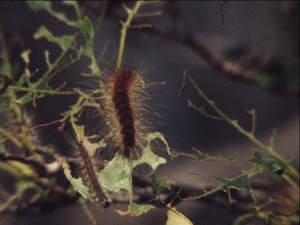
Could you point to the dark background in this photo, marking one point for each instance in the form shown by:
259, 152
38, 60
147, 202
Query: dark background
255, 25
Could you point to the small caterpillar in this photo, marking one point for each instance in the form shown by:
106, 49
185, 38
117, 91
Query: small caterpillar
100, 196
124, 112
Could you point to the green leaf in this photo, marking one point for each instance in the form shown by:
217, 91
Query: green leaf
25, 56
176, 218
47, 6
148, 156
274, 165
39, 5
87, 29
64, 42
257, 159
135, 209
25, 99
240, 182
237, 183
160, 184
139, 209
79, 130
117, 174
76, 182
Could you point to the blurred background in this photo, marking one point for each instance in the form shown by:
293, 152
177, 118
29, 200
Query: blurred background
250, 29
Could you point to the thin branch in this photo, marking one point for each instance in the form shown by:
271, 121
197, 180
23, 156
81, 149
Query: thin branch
145, 193
10, 136
247, 134
202, 111
131, 14
183, 82
221, 11
223, 66
228, 69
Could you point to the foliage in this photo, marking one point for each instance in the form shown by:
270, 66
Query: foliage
27, 172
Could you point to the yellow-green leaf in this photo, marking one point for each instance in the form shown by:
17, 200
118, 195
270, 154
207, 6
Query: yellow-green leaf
176, 218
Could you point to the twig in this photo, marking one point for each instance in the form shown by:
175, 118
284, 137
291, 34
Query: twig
249, 135
223, 66
10, 136
183, 82
145, 193
221, 11
131, 14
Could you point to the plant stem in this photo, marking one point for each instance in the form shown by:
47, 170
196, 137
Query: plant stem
249, 135
51, 92
11, 137
131, 14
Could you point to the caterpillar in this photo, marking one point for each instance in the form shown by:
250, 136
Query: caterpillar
91, 178
124, 112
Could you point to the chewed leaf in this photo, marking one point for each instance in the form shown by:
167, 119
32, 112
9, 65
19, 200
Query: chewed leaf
64, 42
148, 156
275, 165
92, 147
117, 174
47, 6
139, 209
86, 27
240, 182
89, 146
236, 183
79, 130
76, 182
39, 5
135, 209
176, 218
160, 184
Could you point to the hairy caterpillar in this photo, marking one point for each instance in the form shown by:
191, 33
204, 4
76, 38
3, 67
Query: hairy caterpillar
124, 112
91, 177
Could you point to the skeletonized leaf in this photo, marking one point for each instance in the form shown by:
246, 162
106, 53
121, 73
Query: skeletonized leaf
64, 41
47, 6
117, 174
76, 182
135, 209
148, 156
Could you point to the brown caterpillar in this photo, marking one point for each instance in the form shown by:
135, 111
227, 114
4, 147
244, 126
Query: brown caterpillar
91, 178
124, 112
